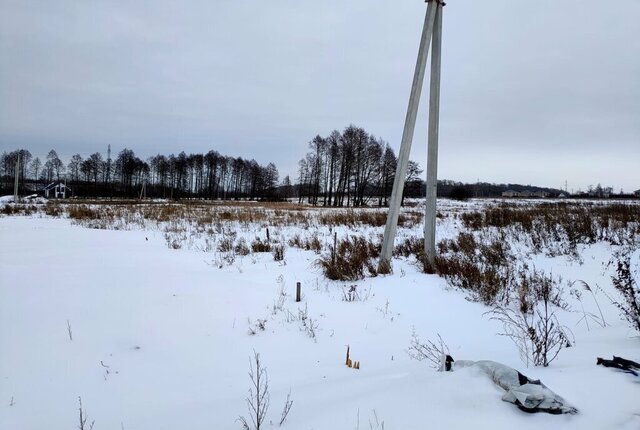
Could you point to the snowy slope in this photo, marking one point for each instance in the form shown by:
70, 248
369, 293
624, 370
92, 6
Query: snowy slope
173, 330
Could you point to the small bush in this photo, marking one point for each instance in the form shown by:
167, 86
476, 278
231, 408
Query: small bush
313, 244
52, 209
478, 266
8, 209
534, 327
259, 246
626, 285
433, 352
351, 260
82, 212
225, 245
410, 246
241, 247
278, 252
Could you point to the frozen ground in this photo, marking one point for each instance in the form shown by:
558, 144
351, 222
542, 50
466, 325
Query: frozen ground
172, 327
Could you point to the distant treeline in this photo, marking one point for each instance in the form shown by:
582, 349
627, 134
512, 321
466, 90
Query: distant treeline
348, 168
210, 175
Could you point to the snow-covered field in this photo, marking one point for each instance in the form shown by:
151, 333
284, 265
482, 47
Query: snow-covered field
161, 337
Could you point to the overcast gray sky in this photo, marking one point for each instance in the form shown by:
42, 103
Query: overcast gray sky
534, 92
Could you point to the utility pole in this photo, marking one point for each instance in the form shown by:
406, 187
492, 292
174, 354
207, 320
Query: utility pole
432, 28
143, 190
17, 176
432, 148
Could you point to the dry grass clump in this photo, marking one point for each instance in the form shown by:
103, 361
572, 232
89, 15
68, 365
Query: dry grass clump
481, 267
160, 212
560, 227
278, 251
259, 246
311, 243
484, 268
241, 247
487, 284
410, 246
225, 244
53, 209
18, 209
82, 212
372, 218
352, 259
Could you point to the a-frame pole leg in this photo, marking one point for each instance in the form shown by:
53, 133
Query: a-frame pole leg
432, 150
407, 138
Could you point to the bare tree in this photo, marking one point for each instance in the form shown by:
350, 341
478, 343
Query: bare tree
74, 167
54, 166
34, 169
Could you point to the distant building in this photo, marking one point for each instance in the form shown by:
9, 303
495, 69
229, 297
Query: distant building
636, 193
525, 193
57, 191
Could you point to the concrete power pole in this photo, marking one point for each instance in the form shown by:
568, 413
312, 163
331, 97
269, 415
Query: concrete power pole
432, 27
432, 149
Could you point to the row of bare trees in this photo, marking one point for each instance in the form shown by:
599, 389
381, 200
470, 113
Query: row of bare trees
352, 168
348, 168
214, 176
209, 175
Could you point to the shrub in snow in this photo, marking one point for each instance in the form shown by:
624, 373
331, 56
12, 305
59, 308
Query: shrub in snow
258, 399
225, 245
534, 327
287, 408
241, 247
352, 258
278, 252
625, 283
433, 352
481, 266
557, 228
259, 246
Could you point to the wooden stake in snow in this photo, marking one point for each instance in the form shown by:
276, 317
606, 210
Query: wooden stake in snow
298, 291
432, 27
